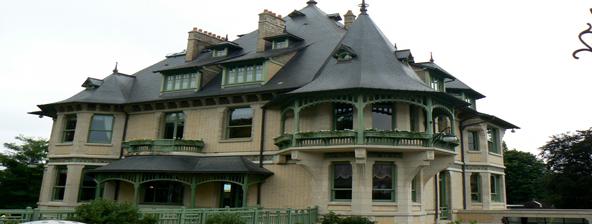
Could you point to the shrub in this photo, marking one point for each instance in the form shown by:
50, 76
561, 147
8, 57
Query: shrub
225, 218
110, 212
332, 218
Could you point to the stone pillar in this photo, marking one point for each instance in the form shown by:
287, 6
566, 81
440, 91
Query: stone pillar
73, 181
47, 184
361, 187
467, 180
485, 191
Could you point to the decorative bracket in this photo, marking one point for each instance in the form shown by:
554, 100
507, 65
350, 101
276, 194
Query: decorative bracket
588, 47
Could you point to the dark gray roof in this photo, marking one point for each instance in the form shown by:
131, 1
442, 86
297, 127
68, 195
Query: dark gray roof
404, 55
113, 89
184, 164
457, 85
471, 113
374, 66
435, 68
92, 83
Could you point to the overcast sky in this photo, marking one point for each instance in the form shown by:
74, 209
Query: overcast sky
516, 52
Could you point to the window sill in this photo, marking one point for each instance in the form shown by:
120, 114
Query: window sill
474, 152
64, 144
99, 144
235, 140
339, 203
495, 154
384, 203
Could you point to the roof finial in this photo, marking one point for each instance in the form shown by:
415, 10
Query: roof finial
395, 46
431, 57
311, 2
115, 69
363, 7
226, 38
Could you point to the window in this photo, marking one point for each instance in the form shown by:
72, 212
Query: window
180, 81
383, 182
279, 44
69, 128
174, 123
341, 188
414, 190
492, 140
476, 187
59, 187
244, 74
240, 123
219, 52
101, 128
88, 186
383, 116
343, 116
437, 84
473, 140
414, 118
163, 192
496, 187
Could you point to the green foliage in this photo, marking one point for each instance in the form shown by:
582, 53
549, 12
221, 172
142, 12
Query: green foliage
332, 218
569, 160
525, 176
20, 181
110, 212
225, 218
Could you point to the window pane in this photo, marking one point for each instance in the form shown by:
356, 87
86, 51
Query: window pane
239, 132
70, 122
60, 183
475, 187
102, 123
99, 137
382, 181
259, 73
192, 81
241, 116
241, 75
250, 74
343, 116
382, 116
342, 176
69, 128
174, 125
169, 130
170, 81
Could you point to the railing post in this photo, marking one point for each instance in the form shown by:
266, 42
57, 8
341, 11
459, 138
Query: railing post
289, 214
296, 125
360, 111
182, 217
28, 216
256, 216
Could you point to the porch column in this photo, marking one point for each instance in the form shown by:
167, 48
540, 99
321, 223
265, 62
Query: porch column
73, 182
136, 192
360, 112
193, 192
98, 190
245, 186
296, 122
453, 123
429, 119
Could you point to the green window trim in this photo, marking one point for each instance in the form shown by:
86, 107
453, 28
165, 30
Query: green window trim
176, 121
244, 75
475, 181
280, 44
108, 130
473, 140
493, 140
376, 190
240, 123
59, 186
69, 128
335, 190
219, 52
437, 83
496, 187
414, 190
181, 81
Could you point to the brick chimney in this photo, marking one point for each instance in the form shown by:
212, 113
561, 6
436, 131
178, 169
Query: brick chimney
198, 40
349, 19
270, 24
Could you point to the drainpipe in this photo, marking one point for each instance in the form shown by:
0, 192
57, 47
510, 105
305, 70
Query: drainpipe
118, 183
436, 204
261, 146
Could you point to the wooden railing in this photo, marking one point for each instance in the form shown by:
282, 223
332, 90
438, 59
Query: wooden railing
370, 137
163, 145
177, 216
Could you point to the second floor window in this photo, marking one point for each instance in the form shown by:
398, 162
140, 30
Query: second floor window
343, 116
244, 74
240, 123
383, 116
69, 128
174, 124
180, 82
437, 84
473, 140
492, 140
101, 129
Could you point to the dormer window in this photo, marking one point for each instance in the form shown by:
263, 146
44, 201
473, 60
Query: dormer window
280, 44
344, 53
437, 84
220, 52
182, 81
243, 74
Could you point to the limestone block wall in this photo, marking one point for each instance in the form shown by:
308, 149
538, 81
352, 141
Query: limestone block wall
289, 187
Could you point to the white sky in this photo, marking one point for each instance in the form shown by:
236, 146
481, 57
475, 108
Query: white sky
517, 53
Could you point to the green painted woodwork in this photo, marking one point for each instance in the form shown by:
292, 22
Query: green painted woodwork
369, 137
177, 215
163, 145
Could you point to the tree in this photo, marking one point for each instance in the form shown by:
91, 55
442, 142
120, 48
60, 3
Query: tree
20, 181
569, 160
525, 177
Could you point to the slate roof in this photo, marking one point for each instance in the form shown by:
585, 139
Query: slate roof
184, 164
113, 89
469, 112
374, 67
457, 85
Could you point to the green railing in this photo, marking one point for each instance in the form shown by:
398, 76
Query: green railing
163, 145
370, 137
178, 216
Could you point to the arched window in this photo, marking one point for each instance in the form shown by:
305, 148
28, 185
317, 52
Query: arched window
476, 187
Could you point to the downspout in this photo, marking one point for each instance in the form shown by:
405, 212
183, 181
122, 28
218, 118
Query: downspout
464, 166
436, 204
118, 183
261, 146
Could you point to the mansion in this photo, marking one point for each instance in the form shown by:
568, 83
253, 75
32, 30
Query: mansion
310, 109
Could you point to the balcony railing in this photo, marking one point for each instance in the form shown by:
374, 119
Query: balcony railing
163, 145
370, 137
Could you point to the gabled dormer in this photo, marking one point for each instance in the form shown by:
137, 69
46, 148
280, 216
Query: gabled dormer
432, 75
188, 79
224, 49
283, 40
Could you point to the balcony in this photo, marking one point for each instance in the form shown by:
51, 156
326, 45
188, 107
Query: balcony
163, 146
370, 137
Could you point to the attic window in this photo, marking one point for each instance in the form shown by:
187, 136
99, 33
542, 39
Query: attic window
243, 74
344, 53
280, 44
219, 52
182, 81
437, 84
